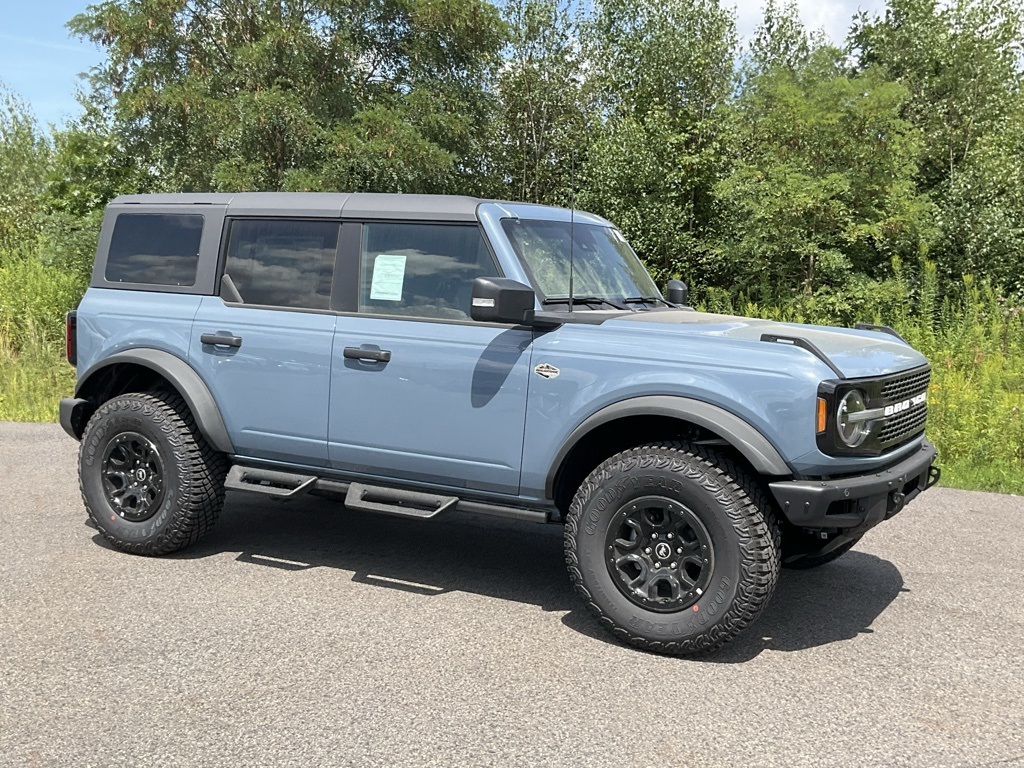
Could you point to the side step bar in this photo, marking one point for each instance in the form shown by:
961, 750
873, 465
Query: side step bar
370, 498
282, 485
392, 501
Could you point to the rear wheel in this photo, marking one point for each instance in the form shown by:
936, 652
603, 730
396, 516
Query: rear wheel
149, 480
673, 547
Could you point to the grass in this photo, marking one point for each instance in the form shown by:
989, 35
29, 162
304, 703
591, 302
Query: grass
33, 380
34, 373
975, 342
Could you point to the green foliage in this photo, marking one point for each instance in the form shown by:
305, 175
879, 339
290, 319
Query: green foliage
542, 126
275, 94
962, 63
24, 159
663, 72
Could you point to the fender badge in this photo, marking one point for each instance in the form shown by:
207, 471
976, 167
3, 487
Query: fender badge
546, 371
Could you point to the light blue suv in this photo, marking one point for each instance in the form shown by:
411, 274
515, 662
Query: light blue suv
419, 355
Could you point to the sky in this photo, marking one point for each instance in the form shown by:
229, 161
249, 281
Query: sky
40, 61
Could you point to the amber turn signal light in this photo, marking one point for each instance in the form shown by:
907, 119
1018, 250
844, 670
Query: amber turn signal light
822, 414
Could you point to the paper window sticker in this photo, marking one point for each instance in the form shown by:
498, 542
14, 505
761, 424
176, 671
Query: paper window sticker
388, 277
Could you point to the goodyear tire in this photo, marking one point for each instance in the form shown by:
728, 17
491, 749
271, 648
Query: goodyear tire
672, 547
149, 480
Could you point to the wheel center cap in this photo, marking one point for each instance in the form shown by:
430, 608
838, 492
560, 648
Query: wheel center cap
663, 551
140, 474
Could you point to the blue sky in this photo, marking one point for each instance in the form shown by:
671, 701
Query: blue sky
38, 60
41, 62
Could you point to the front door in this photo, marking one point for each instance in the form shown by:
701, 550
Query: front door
419, 391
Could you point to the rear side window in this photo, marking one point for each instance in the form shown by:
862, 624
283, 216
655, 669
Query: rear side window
155, 249
282, 263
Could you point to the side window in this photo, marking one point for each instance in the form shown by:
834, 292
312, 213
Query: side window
421, 270
155, 249
283, 263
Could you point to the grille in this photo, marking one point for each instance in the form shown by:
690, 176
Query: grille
901, 426
899, 389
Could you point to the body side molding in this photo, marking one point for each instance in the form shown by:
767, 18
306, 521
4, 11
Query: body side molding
183, 378
746, 439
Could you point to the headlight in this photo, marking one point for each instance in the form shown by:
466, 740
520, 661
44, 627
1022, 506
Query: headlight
851, 425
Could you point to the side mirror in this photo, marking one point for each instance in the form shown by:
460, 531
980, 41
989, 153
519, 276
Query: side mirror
501, 300
677, 292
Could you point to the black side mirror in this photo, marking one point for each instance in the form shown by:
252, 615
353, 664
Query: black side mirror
501, 300
677, 292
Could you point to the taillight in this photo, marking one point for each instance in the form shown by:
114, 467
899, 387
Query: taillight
71, 337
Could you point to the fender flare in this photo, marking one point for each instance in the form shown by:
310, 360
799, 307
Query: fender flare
184, 379
746, 439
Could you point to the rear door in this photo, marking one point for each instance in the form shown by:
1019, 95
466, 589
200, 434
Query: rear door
419, 391
267, 357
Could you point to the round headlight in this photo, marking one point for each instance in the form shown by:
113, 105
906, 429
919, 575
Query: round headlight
852, 431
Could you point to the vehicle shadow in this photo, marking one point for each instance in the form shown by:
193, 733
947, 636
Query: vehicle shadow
522, 562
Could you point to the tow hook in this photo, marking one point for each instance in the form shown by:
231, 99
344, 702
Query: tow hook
896, 502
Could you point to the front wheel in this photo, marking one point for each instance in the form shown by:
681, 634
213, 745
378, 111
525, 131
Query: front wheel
150, 481
673, 547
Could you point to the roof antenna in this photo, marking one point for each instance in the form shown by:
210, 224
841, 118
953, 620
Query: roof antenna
572, 219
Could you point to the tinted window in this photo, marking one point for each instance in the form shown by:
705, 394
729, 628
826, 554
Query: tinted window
155, 248
424, 270
283, 263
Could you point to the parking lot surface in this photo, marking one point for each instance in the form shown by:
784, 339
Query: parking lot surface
303, 634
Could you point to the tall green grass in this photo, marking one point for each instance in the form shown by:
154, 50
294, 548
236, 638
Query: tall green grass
34, 373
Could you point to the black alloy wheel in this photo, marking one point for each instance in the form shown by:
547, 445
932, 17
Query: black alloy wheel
659, 554
133, 476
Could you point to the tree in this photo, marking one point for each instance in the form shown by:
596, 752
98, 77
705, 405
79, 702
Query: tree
664, 71
822, 184
961, 63
542, 130
24, 159
272, 94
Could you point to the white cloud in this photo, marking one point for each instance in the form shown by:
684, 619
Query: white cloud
833, 17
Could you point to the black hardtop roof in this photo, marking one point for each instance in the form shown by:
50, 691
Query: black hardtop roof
321, 204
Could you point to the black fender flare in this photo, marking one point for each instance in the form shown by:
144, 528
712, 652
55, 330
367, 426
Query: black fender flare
183, 378
749, 441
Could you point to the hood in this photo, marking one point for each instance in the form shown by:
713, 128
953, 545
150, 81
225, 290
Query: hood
856, 353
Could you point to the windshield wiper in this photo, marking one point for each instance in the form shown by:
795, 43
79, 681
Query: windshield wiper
583, 300
647, 300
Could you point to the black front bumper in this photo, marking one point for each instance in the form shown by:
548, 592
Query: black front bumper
858, 501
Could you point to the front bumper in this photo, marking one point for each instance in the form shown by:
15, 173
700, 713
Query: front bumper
857, 502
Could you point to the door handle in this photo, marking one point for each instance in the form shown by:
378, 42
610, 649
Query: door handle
221, 340
376, 355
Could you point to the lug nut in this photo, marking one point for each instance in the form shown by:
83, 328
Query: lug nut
673, 565
679, 550
657, 564
654, 535
647, 551
670, 535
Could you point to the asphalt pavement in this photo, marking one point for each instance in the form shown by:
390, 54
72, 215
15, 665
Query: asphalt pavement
303, 634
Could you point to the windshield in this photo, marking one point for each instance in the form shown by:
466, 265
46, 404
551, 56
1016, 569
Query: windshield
604, 266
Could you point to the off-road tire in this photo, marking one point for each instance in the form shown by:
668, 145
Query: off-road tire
734, 513
192, 487
814, 561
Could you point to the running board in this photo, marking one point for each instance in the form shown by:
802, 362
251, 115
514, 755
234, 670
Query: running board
371, 498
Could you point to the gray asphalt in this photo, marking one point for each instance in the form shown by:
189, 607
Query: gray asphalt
303, 634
